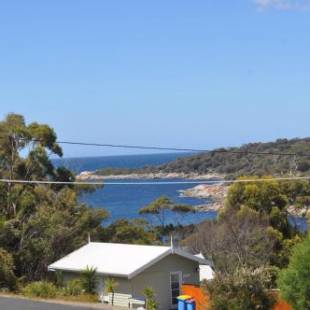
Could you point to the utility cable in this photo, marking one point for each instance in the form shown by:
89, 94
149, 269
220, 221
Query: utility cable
157, 182
174, 149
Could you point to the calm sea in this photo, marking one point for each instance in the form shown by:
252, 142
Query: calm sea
124, 201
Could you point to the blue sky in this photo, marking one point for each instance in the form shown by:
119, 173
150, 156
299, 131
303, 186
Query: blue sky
178, 73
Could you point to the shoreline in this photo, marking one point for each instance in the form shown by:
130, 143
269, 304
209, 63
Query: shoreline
91, 176
215, 193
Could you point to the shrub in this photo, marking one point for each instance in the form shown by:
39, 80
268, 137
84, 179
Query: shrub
244, 289
149, 294
294, 281
7, 276
73, 288
58, 278
89, 280
41, 289
110, 285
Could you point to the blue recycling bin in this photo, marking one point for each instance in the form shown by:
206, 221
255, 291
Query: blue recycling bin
181, 301
190, 304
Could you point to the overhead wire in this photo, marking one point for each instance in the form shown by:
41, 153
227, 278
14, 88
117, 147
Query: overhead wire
217, 181
158, 148
175, 149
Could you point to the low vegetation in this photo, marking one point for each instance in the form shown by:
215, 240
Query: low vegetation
40, 289
110, 285
73, 287
149, 295
8, 280
89, 280
77, 289
242, 289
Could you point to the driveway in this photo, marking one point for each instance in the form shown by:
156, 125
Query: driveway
16, 303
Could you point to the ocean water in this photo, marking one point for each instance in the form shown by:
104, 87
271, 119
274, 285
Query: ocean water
124, 201
80, 164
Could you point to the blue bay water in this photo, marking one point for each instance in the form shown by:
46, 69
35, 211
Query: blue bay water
80, 164
124, 201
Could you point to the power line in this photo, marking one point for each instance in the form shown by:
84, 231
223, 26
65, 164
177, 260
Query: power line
174, 149
50, 182
158, 148
156, 182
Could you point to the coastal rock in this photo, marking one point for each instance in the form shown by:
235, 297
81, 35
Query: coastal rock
91, 175
216, 193
205, 191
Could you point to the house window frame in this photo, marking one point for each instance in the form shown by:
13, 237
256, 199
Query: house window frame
180, 274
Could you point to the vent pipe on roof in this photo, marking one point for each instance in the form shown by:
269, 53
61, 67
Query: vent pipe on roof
88, 237
171, 243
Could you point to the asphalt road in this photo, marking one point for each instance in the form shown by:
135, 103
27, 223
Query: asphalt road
12, 303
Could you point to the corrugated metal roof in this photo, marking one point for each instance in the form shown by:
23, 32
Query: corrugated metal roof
115, 259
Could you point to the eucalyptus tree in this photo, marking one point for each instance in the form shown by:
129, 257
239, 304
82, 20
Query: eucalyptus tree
38, 223
159, 209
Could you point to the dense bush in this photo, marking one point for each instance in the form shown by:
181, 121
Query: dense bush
294, 281
40, 289
7, 276
89, 280
149, 295
245, 289
39, 224
73, 288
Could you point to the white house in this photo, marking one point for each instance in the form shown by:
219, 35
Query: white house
135, 267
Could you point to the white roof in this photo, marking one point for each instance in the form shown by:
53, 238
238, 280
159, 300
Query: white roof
124, 260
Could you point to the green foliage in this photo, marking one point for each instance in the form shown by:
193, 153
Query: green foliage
89, 280
271, 199
149, 294
183, 209
40, 289
261, 196
137, 231
294, 281
160, 206
39, 223
58, 278
110, 284
244, 289
235, 165
7, 276
155, 207
73, 287
238, 239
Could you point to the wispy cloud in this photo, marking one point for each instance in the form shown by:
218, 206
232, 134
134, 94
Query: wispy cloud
283, 5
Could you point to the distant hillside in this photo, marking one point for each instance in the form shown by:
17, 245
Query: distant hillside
234, 165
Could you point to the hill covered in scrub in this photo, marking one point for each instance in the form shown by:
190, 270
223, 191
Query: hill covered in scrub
221, 162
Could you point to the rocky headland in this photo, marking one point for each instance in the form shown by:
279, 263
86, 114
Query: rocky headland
92, 175
216, 194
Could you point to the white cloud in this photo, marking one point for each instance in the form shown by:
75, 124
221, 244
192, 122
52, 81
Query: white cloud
284, 5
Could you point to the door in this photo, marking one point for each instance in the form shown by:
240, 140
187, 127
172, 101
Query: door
175, 287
